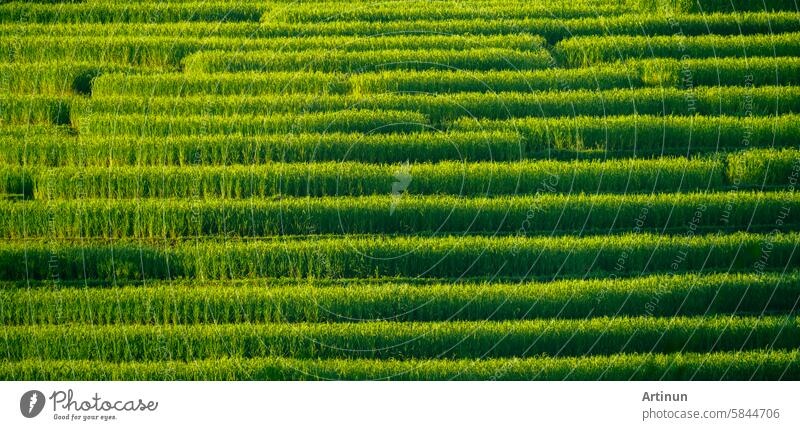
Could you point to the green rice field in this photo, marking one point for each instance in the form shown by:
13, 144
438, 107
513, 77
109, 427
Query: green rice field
400, 190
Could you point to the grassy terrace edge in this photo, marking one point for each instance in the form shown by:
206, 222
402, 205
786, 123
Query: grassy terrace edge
748, 365
263, 301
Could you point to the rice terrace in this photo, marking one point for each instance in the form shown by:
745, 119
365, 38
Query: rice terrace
417, 190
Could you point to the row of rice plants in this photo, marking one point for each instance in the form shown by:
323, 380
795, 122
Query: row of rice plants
382, 340
751, 71
429, 215
180, 84
663, 72
165, 303
405, 256
61, 149
587, 50
313, 12
169, 51
114, 12
446, 10
553, 30
57, 77
37, 109
357, 120
220, 149
361, 61
766, 166
446, 107
644, 132
353, 179
751, 365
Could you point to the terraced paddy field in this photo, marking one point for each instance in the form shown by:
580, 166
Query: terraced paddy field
408, 189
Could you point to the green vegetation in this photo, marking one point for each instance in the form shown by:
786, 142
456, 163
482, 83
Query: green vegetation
165, 51
361, 61
746, 365
592, 49
542, 214
180, 302
493, 189
413, 256
273, 180
383, 340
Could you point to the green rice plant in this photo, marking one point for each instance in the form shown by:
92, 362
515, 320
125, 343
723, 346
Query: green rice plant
748, 72
688, 24
424, 215
711, 72
215, 303
734, 5
55, 77
453, 81
364, 121
644, 133
37, 109
350, 179
17, 132
755, 365
441, 108
48, 148
552, 29
313, 12
344, 257
146, 50
383, 340
358, 61
123, 29
220, 149
180, 84
767, 166
636, 73
587, 50
114, 12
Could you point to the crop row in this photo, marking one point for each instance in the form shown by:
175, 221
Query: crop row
542, 214
733, 101
405, 256
57, 77
447, 10
772, 365
363, 61
765, 166
644, 132
587, 50
353, 179
227, 11
664, 72
37, 109
314, 12
754, 169
159, 51
755, 71
357, 120
164, 303
115, 12
553, 30
62, 150
59, 149
454, 340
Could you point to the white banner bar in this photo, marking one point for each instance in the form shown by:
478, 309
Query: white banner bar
399, 405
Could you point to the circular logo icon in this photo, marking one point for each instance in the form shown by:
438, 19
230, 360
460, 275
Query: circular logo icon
31, 403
